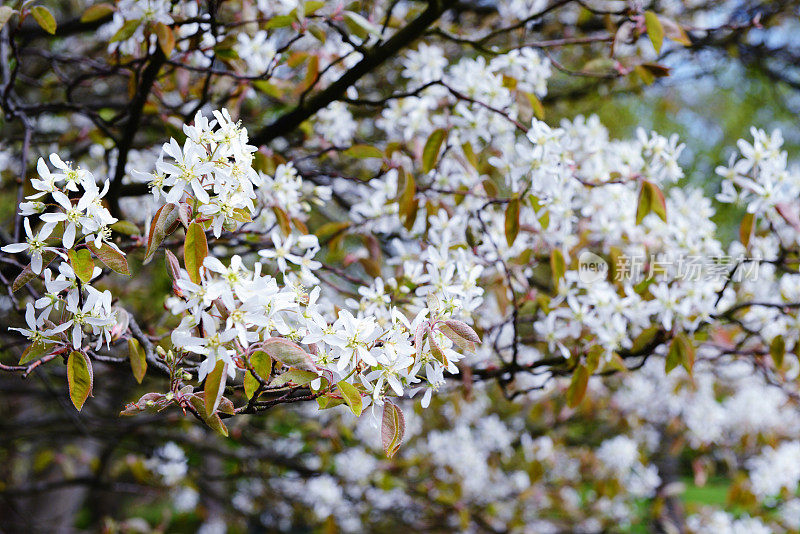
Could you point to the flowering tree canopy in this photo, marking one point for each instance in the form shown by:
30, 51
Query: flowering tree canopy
485, 318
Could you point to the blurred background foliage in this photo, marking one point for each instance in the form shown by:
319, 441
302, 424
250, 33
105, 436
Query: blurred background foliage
710, 100
709, 110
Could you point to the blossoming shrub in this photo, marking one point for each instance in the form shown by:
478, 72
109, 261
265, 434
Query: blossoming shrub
233, 317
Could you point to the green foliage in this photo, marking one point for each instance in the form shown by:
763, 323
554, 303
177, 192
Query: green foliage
79, 378
44, 18
138, 359
195, 250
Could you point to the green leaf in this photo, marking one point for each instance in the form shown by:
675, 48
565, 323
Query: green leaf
746, 228
281, 21
393, 428
195, 250
681, 352
34, 352
469, 153
649, 72
288, 353
318, 33
82, 263
27, 273
215, 384
363, 151
226, 406
688, 347
138, 359
97, 12
593, 356
646, 76
616, 363
430, 153
777, 349
360, 26
79, 378
651, 200
644, 339
284, 222
162, 225
126, 31
225, 52
44, 18
5, 15
654, 30
262, 364
351, 396
673, 357
111, 258
294, 376
577, 387
407, 203
656, 70
242, 215
125, 228
328, 402
512, 221
312, 75
558, 265
310, 7
673, 31
328, 231
166, 38
214, 421
536, 104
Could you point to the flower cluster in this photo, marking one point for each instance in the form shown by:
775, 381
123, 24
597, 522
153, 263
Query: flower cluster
759, 179
78, 309
492, 109
83, 223
234, 309
81, 219
285, 191
213, 171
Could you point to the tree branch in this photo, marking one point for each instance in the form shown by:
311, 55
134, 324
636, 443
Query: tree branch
149, 76
287, 123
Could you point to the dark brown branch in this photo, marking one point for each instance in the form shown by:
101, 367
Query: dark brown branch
149, 76
63, 29
287, 123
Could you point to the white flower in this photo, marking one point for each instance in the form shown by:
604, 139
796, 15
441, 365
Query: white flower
46, 183
73, 177
72, 216
35, 244
35, 333
81, 316
213, 344
281, 251
352, 336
